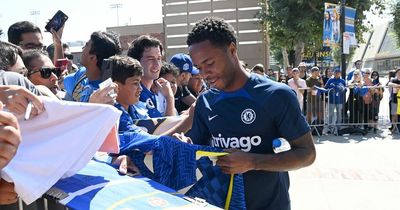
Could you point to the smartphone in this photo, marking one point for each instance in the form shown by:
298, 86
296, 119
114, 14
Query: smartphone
106, 69
57, 21
62, 62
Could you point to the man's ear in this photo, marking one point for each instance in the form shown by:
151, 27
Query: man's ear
232, 48
93, 58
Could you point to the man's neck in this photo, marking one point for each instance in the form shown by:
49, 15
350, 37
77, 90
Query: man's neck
147, 83
93, 73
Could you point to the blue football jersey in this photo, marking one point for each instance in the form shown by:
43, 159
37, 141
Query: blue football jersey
249, 119
148, 99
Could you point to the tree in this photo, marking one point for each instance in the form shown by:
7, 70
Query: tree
294, 24
396, 21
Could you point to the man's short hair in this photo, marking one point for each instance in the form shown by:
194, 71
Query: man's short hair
169, 68
216, 30
29, 55
8, 54
138, 46
124, 67
104, 45
355, 63
16, 30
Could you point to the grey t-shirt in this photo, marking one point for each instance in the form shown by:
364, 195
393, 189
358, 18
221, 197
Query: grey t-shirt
12, 78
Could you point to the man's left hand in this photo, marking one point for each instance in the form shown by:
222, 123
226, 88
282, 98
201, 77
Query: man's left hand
236, 162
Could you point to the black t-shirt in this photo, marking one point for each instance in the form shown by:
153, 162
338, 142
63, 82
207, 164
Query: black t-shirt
181, 92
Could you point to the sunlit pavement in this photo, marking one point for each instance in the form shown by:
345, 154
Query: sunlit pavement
350, 172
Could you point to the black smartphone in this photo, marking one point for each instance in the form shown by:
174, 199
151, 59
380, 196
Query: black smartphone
57, 21
106, 69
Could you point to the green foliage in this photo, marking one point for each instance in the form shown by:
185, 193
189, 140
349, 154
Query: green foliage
294, 21
396, 21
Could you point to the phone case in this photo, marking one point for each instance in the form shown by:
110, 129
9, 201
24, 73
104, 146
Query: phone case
57, 21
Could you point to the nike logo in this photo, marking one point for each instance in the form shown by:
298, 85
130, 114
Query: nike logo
210, 118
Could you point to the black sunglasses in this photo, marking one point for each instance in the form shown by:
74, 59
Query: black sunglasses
69, 56
45, 72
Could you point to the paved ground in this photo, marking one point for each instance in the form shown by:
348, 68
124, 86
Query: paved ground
350, 173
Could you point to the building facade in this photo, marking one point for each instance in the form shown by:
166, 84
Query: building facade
179, 17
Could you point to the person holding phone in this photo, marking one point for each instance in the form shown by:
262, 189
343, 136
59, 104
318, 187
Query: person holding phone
83, 85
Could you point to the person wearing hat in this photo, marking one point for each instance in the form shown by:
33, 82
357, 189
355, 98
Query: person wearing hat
298, 85
183, 98
303, 75
258, 69
314, 102
337, 90
303, 70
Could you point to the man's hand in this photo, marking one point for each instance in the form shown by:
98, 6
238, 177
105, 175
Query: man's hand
7, 193
16, 99
236, 162
124, 164
10, 137
182, 137
105, 95
164, 87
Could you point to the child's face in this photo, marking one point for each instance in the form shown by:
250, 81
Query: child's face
129, 93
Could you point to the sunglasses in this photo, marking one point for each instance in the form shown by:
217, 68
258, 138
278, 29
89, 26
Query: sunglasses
45, 72
69, 56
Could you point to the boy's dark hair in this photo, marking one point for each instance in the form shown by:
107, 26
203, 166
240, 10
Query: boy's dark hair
104, 45
216, 30
50, 49
138, 46
8, 54
124, 67
31, 54
169, 68
17, 29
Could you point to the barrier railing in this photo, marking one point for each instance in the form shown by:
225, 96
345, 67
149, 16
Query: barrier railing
349, 109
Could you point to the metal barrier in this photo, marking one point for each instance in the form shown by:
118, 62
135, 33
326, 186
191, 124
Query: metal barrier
357, 109
40, 204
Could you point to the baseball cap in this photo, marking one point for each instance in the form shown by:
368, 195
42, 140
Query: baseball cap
295, 69
337, 69
184, 63
302, 64
314, 69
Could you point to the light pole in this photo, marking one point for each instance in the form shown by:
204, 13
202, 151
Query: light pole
116, 6
35, 13
342, 26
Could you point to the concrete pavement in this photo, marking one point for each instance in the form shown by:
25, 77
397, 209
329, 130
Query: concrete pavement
350, 173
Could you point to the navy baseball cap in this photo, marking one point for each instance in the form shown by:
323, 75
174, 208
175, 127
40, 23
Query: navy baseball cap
337, 69
184, 63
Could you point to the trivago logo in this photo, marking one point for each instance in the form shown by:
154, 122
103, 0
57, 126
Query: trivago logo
244, 143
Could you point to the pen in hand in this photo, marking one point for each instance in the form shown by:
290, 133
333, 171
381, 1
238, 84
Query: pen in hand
28, 111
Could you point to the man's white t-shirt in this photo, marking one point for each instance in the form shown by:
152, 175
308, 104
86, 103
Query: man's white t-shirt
302, 84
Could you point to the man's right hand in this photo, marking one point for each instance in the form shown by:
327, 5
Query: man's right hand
16, 99
105, 95
10, 137
7, 193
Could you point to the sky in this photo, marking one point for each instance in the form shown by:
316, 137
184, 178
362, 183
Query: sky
85, 16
